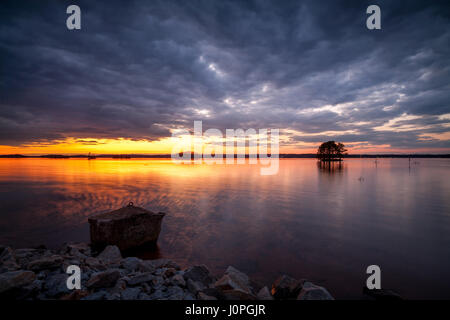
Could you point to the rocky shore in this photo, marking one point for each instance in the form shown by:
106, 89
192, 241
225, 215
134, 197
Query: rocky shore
40, 274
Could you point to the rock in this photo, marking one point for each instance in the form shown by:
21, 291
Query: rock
8, 260
127, 227
56, 285
24, 256
24, 292
199, 274
130, 294
178, 280
264, 294
162, 263
159, 272
103, 279
42, 275
99, 295
140, 278
194, 286
235, 285
51, 262
204, 296
15, 279
95, 264
75, 295
286, 287
382, 294
175, 293
110, 255
169, 272
213, 292
144, 296
312, 292
157, 295
146, 266
131, 263
113, 296
77, 254
158, 282
79, 250
188, 296
146, 287
81, 247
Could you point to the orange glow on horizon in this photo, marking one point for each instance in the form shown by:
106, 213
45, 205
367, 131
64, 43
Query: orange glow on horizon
76, 146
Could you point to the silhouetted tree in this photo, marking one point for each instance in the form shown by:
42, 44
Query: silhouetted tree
331, 151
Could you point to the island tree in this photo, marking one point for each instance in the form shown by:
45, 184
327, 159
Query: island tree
331, 151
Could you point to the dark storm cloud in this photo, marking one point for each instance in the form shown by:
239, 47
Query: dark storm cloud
140, 68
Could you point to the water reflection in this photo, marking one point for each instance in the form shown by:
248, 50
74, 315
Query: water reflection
330, 167
308, 221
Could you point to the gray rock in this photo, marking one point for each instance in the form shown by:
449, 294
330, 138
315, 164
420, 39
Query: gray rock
130, 293
312, 292
56, 285
110, 255
75, 295
194, 286
146, 266
264, 294
178, 280
146, 287
188, 296
199, 274
42, 275
144, 296
158, 282
51, 262
140, 278
163, 263
99, 295
81, 247
131, 263
286, 287
113, 296
158, 295
120, 286
235, 285
213, 292
24, 256
127, 227
175, 293
28, 291
169, 272
95, 264
382, 294
75, 253
159, 271
68, 263
204, 296
103, 279
15, 279
8, 260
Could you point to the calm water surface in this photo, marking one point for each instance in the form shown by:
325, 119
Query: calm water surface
306, 221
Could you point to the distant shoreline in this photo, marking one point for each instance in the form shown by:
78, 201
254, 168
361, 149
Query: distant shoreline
165, 156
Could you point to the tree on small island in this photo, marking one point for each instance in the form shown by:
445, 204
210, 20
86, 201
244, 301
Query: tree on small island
331, 151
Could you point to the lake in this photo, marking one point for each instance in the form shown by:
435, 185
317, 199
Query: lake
324, 224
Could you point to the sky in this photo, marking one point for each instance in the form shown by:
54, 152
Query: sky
138, 71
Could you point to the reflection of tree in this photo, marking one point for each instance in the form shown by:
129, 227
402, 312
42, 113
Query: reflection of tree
330, 167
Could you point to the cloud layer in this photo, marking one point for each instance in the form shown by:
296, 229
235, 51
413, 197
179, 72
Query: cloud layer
139, 69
